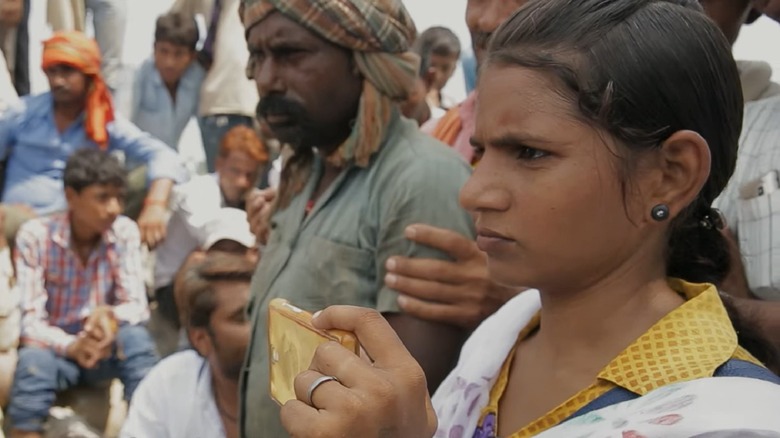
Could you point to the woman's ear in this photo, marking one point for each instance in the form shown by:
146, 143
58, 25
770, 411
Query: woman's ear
684, 166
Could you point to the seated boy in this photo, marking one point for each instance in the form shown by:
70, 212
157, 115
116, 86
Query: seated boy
166, 88
82, 292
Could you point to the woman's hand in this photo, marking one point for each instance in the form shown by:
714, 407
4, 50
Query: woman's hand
387, 399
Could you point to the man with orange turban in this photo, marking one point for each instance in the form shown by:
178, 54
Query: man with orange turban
38, 136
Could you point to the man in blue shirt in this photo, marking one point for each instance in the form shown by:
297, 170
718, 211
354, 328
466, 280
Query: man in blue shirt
38, 136
166, 88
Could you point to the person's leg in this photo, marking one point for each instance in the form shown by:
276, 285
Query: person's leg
213, 128
39, 374
110, 18
21, 73
135, 356
14, 217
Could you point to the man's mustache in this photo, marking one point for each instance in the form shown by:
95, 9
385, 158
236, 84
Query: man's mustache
279, 105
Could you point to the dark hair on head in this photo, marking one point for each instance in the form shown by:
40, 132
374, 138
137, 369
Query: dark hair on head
642, 70
200, 302
87, 167
438, 41
177, 29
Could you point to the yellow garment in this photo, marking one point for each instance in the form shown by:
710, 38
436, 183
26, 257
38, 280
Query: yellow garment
689, 343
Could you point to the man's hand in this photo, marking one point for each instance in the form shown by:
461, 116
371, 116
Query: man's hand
101, 326
770, 8
152, 224
258, 213
11, 12
458, 292
86, 351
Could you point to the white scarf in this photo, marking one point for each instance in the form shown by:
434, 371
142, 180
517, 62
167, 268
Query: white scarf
721, 405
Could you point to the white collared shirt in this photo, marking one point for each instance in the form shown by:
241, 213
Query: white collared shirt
175, 400
193, 205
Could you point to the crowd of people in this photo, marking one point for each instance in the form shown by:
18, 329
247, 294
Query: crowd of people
587, 244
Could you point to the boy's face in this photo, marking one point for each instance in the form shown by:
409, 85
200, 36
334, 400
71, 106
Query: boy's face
171, 60
96, 207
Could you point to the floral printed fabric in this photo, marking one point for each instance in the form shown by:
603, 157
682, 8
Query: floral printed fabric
717, 407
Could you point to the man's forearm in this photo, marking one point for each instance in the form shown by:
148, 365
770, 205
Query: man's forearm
436, 347
764, 314
159, 192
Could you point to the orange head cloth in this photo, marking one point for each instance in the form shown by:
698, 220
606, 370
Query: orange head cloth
75, 49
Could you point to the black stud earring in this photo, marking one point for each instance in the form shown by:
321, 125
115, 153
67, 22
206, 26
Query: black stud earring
660, 212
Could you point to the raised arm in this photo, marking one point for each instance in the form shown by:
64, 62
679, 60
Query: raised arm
164, 168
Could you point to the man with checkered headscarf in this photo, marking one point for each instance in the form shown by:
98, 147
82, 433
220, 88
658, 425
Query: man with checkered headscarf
330, 74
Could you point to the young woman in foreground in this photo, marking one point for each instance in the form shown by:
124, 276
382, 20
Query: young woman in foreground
608, 128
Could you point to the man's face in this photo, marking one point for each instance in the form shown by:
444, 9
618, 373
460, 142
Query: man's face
443, 67
68, 85
238, 174
729, 15
229, 328
172, 60
483, 18
309, 90
96, 207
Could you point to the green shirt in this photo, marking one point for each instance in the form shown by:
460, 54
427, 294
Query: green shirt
337, 254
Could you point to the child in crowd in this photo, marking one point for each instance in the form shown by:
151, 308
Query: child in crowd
166, 88
83, 298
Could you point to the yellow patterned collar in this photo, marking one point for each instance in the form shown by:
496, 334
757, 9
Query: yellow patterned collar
691, 342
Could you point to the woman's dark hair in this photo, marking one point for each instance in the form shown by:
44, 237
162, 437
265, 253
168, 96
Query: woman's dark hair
642, 70
177, 29
87, 167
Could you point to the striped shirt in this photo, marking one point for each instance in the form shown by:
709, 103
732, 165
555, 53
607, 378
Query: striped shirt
756, 219
58, 290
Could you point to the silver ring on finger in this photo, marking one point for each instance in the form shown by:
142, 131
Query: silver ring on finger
316, 384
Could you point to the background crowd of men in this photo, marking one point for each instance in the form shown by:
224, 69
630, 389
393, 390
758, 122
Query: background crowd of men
326, 182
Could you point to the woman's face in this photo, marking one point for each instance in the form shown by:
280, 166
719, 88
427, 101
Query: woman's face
547, 196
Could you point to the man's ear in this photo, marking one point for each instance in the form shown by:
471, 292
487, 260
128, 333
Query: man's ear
71, 195
200, 340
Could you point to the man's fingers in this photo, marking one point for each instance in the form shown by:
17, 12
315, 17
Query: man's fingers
455, 244
301, 420
441, 271
424, 289
372, 330
437, 312
329, 395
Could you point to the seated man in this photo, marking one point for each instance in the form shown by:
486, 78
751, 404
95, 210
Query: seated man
194, 393
241, 158
41, 133
166, 88
80, 279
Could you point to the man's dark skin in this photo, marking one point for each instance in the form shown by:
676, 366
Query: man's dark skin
310, 91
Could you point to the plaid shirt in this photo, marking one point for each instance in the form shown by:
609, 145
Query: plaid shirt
58, 290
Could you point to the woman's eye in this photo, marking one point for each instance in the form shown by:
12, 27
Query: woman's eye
526, 153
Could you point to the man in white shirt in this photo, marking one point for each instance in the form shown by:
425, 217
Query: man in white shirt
194, 393
242, 156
